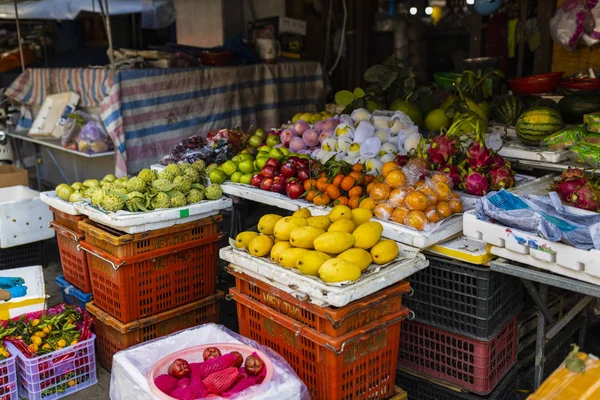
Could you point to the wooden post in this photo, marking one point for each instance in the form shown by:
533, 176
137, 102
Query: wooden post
19, 37
475, 35
543, 56
521, 36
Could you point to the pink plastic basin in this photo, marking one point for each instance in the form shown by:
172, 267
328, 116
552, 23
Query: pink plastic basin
194, 354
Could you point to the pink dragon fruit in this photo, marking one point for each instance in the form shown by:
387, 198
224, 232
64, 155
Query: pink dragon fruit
572, 174
585, 197
478, 155
453, 172
475, 183
441, 149
498, 161
501, 178
566, 188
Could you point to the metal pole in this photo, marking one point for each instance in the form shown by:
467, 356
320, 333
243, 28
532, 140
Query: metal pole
576, 309
110, 42
540, 344
19, 37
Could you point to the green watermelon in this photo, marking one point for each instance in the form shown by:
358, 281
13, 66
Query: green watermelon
546, 103
507, 109
535, 124
574, 106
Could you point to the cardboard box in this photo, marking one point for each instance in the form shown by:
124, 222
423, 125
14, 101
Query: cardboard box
289, 32
13, 176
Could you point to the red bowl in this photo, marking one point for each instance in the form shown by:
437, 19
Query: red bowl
216, 59
583, 84
535, 84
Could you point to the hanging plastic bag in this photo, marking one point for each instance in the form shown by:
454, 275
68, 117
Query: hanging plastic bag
593, 36
569, 23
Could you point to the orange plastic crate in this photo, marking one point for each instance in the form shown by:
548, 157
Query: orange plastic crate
121, 244
113, 336
68, 221
358, 365
140, 286
74, 262
332, 321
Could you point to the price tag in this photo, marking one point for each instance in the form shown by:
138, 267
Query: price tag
184, 213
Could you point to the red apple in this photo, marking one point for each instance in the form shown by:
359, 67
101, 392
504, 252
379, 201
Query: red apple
288, 170
273, 162
278, 187
402, 160
266, 184
268, 171
294, 190
256, 180
301, 163
279, 178
303, 174
292, 160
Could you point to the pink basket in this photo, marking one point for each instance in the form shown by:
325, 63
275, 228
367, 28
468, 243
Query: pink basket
8, 379
194, 354
57, 374
471, 364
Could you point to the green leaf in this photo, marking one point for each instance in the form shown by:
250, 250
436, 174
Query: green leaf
359, 93
390, 61
344, 97
373, 74
409, 84
387, 79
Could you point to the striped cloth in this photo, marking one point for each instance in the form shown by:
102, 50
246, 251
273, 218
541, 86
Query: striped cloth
147, 112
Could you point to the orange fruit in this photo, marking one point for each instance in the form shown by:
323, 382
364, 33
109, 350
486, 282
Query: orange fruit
416, 200
431, 194
309, 184
456, 206
342, 200
388, 167
367, 203
419, 184
358, 167
353, 202
443, 190
399, 214
321, 183
396, 178
383, 211
432, 214
416, 219
397, 197
441, 177
347, 183
355, 191
369, 187
368, 179
444, 209
338, 179
380, 191
333, 191
357, 176
321, 199
455, 196
311, 195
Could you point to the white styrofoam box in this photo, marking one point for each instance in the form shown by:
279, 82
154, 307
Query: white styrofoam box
262, 196
372, 280
57, 203
129, 222
515, 149
34, 300
24, 218
157, 167
555, 256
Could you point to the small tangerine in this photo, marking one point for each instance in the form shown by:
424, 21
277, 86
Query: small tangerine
356, 175
397, 197
355, 191
431, 194
416, 200
432, 214
383, 211
321, 183
416, 219
338, 179
347, 183
311, 195
442, 177
444, 209
333, 191
419, 184
400, 214
368, 179
342, 200
389, 167
309, 184
322, 199
358, 167
369, 187
353, 202
443, 190
456, 206
380, 191
396, 178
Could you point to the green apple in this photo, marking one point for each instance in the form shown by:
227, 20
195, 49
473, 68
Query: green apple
245, 157
255, 141
264, 148
235, 159
260, 132
285, 151
260, 162
246, 178
246, 166
272, 140
303, 156
235, 177
263, 154
229, 167
217, 176
276, 154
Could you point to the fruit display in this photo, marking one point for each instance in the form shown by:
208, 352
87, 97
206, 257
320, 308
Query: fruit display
507, 109
337, 247
575, 188
223, 375
537, 123
174, 186
285, 178
574, 106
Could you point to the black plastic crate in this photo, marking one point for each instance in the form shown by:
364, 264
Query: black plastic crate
464, 298
22, 256
421, 389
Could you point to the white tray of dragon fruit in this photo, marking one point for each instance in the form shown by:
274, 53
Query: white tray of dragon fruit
57, 203
528, 248
469, 200
513, 148
137, 222
373, 279
249, 192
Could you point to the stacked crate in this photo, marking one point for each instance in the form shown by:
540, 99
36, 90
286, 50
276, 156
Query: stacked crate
150, 284
465, 331
346, 352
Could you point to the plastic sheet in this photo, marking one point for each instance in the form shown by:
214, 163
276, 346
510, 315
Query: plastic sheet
128, 377
570, 22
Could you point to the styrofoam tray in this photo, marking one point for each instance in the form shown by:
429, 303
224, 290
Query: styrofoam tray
157, 167
470, 200
524, 247
513, 148
56, 202
146, 221
34, 300
24, 218
463, 248
336, 296
262, 196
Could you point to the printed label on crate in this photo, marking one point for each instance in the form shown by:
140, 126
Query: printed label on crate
171, 240
274, 329
184, 213
170, 259
365, 347
102, 266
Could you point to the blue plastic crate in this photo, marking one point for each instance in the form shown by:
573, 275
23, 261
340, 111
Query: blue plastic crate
71, 294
